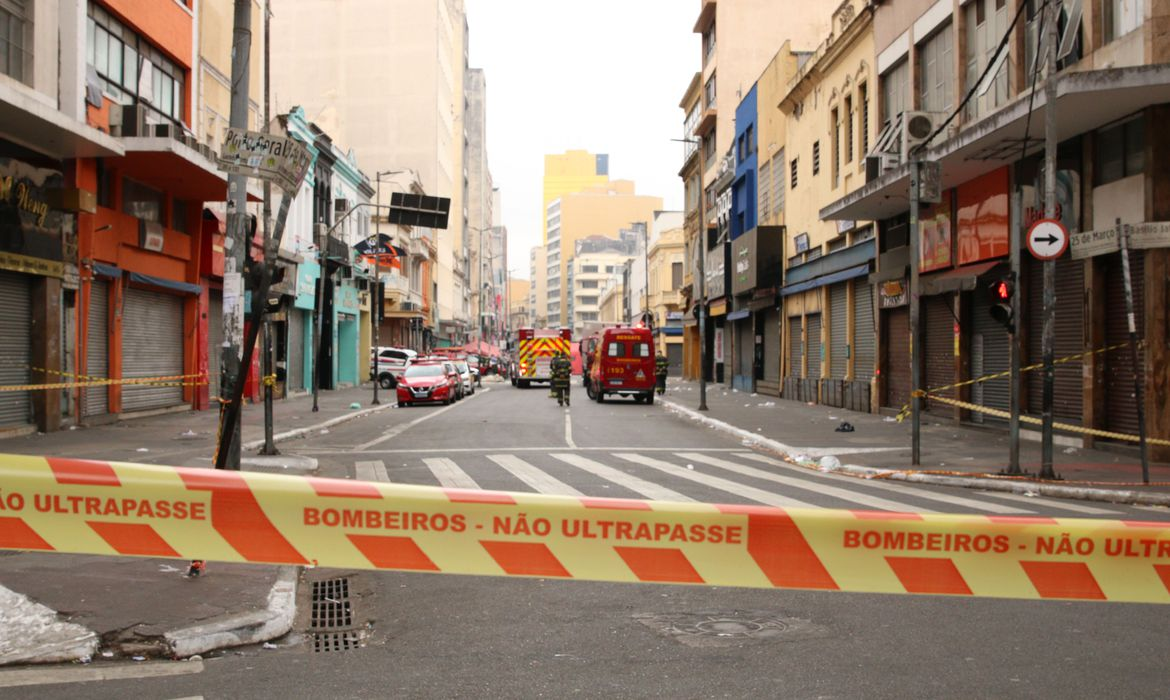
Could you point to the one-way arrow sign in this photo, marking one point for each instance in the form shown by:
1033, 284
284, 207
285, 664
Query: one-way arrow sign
1047, 239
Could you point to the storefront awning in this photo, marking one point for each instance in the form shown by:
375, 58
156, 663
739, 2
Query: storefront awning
960, 279
169, 164
1086, 100
833, 278
105, 270
737, 315
165, 283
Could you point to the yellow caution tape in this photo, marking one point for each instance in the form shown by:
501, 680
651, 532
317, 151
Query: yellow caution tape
147, 381
74, 506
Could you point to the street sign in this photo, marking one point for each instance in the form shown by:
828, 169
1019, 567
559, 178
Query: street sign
278, 159
1047, 239
419, 210
1143, 236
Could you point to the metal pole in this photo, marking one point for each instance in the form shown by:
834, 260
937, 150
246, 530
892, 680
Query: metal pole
1014, 338
376, 299
701, 241
1138, 392
269, 447
236, 246
1048, 340
319, 310
915, 337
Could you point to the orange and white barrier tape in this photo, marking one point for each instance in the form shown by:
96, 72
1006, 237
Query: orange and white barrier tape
67, 505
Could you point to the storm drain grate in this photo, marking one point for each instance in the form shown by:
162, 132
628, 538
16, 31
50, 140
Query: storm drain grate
336, 641
331, 607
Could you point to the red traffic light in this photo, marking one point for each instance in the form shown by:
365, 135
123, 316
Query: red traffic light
1003, 291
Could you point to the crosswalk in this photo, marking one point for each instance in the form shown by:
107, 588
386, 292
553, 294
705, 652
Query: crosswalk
709, 476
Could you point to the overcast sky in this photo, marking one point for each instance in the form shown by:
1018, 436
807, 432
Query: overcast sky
605, 76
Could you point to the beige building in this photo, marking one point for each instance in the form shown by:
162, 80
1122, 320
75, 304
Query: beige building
387, 77
665, 297
596, 261
478, 190
536, 290
571, 171
611, 305
216, 18
518, 309
604, 211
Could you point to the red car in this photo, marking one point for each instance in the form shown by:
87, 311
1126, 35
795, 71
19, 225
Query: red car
428, 382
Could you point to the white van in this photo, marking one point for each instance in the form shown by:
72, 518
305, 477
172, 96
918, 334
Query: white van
392, 362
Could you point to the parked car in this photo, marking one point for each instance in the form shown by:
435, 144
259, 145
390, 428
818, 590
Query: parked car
466, 376
427, 382
392, 362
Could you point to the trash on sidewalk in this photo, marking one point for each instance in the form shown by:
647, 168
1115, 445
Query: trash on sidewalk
324, 431
270, 645
845, 427
829, 463
355, 404
143, 449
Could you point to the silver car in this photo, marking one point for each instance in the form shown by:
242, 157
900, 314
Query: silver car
466, 377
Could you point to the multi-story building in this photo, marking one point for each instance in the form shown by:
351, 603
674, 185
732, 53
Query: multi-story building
518, 307
612, 304
1113, 89
595, 260
571, 171
536, 293
691, 173
575, 215
480, 206
415, 120
666, 280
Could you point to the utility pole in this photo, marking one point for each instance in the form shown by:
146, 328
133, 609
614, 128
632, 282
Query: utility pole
377, 299
1014, 338
319, 307
1135, 357
915, 336
1048, 340
701, 240
236, 247
269, 447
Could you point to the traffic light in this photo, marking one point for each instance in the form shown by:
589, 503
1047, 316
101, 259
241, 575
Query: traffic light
1001, 302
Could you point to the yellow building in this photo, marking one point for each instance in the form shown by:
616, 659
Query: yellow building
828, 300
604, 211
571, 171
216, 19
665, 298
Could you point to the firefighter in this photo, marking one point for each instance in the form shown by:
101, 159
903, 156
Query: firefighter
660, 365
562, 369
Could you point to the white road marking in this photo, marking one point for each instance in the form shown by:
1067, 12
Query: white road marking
97, 673
893, 488
371, 471
636, 484
760, 495
453, 450
843, 494
449, 474
400, 429
569, 429
1051, 503
536, 479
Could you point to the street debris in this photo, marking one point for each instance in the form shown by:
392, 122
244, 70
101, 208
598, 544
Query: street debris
324, 431
845, 427
270, 645
143, 449
829, 463
355, 404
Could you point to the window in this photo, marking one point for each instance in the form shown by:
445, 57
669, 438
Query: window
816, 155
131, 70
765, 191
179, 215
835, 122
709, 92
709, 42
751, 139
778, 182
143, 202
1120, 151
588, 284
676, 276
863, 116
849, 129
895, 91
587, 301
936, 86
1120, 17
588, 268
16, 39
616, 349
793, 167
986, 23
641, 349
709, 149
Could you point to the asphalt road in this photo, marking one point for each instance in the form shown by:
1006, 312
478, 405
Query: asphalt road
425, 635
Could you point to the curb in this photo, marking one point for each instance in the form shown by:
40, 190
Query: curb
240, 629
1025, 488
300, 432
43, 638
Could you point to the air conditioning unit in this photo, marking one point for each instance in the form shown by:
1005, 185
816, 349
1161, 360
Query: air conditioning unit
167, 130
130, 120
916, 128
876, 164
340, 206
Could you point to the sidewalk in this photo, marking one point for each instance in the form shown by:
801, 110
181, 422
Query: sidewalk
56, 607
951, 454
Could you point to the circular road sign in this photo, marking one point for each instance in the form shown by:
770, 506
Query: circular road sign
1047, 239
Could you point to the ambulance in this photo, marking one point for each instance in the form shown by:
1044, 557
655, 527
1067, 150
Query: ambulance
535, 349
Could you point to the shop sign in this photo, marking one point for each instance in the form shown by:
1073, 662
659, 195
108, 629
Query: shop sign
347, 299
718, 346
894, 293
30, 265
29, 225
743, 259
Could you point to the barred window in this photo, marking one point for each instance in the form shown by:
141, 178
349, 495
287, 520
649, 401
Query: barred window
778, 182
765, 191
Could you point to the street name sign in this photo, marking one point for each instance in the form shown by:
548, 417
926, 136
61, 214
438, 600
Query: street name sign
1143, 236
278, 159
1047, 239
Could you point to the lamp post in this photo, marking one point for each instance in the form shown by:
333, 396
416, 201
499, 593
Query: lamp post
376, 311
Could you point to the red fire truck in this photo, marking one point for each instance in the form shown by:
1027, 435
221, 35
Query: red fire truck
535, 349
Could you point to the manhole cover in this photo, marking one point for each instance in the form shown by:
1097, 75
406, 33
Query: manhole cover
336, 641
730, 628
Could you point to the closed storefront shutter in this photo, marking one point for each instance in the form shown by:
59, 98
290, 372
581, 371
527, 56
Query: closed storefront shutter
864, 332
674, 358
745, 346
897, 357
152, 345
1068, 337
814, 346
1120, 400
838, 330
772, 345
15, 349
214, 341
939, 341
795, 347
990, 354
296, 350
97, 348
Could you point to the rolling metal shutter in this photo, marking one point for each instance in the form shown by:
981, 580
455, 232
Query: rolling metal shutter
1120, 402
152, 345
939, 342
15, 348
772, 345
1068, 382
796, 347
897, 357
990, 354
814, 346
674, 358
838, 331
97, 348
745, 343
296, 350
864, 332
214, 341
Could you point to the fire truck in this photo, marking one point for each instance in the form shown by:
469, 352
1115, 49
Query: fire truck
535, 349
